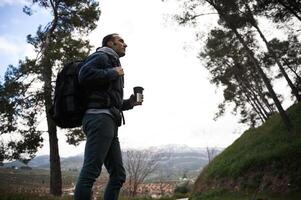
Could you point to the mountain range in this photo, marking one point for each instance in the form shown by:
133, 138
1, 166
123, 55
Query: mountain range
182, 159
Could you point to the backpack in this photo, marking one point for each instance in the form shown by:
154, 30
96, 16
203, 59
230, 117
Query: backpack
67, 109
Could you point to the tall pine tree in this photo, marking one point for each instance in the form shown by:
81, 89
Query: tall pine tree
232, 18
27, 90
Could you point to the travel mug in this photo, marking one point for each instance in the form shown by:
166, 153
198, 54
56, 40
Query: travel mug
138, 92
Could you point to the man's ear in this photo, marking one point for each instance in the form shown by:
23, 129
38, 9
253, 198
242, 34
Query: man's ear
110, 44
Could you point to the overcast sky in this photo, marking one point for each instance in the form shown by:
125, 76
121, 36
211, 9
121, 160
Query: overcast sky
179, 101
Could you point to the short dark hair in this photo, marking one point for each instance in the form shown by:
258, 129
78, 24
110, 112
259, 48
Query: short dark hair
108, 38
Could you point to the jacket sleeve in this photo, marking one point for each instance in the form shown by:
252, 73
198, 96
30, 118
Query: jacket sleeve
127, 105
97, 70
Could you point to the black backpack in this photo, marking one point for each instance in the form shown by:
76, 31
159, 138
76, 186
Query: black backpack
68, 108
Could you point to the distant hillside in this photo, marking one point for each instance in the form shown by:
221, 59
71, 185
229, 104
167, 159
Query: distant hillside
265, 159
39, 161
42, 162
182, 160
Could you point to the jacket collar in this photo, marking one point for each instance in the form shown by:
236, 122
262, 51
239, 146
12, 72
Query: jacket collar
108, 51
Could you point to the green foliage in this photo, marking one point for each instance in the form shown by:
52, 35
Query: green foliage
231, 68
266, 149
224, 195
26, 93
149, 198
235, 59
182, 188
289, 54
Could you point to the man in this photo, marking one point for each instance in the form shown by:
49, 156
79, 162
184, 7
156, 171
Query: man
101, 78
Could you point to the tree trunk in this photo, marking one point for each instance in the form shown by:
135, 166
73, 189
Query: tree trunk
257, 101
294, 71
250, 94
271, 51
263, 98
252, 99
55, 166
256, 107
261, 107
55, 163
256, 104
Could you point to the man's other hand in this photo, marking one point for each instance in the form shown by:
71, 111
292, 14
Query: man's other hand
119, 70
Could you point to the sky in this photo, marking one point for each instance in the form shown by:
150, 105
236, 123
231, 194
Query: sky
179, 101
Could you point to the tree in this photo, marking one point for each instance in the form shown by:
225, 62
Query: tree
230, 66
211, 153
28, 89
232, 19
233, 22
183, 188
139, 164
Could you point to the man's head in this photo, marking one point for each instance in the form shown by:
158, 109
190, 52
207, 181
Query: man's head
115, 42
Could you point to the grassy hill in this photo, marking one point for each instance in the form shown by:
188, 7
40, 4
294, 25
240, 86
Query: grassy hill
264, 160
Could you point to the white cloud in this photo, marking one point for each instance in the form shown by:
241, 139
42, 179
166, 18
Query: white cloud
12, 50
15, 48
7, 46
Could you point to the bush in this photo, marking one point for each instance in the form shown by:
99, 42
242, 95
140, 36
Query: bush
183, 188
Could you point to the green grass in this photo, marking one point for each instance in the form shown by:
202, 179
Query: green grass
224, 195
147, 198
266, 148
